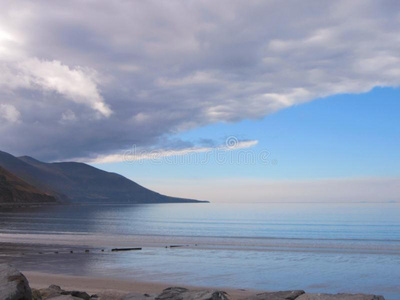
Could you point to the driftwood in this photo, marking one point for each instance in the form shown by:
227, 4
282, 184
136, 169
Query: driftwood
125, 249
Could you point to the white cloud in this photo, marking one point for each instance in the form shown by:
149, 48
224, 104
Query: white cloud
198, 78
9, 113
201, 62
19, 69
137, 155
68, 116
75, 84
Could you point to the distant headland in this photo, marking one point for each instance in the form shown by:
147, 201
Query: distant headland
25, 180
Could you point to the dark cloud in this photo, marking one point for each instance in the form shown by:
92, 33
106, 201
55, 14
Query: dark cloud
79, 79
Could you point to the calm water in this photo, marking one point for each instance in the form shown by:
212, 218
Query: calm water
316, 247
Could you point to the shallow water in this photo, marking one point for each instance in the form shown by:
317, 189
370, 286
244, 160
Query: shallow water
316, 247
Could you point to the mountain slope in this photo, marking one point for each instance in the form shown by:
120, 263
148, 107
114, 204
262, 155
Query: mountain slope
14, 190
78, 182
31, 174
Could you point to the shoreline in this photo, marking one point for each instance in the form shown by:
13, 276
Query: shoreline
106, 203
118, 287
211, 250
30, 243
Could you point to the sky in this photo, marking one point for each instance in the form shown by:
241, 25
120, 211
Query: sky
222, 101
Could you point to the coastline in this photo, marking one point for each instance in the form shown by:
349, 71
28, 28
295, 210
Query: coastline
69, 203
208, 250
116, 287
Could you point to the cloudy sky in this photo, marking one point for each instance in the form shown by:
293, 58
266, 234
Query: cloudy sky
288, 90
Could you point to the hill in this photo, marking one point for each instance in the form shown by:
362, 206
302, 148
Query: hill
14, 190
79, 182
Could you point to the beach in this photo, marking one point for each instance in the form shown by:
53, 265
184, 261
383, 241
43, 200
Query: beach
115, 287
233, 248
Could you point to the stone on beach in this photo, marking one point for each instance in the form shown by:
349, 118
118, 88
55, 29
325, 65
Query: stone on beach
138, 296
51, 291
282, 295
55, 292
65, 297
339, 297
77, 294
36, 295
13, 284
178, 293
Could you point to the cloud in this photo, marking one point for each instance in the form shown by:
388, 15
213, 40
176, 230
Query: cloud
68, 116
133, 72
138, 155
9, 113
75, 84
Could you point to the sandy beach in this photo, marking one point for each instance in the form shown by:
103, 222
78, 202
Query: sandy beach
71, 246
114, 287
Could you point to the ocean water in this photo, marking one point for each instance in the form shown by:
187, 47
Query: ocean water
312, 246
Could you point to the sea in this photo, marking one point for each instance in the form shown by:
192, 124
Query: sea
317, 247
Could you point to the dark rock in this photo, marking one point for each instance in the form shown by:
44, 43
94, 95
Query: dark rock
137, 296
54, 291
77, 294
13, 284
172, 293
36, 295
339, 297
65, 297
282, 295
178, 293
55, 287
51, 291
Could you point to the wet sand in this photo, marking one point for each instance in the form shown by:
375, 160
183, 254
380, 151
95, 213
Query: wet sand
310, 250
113, 287
36, 248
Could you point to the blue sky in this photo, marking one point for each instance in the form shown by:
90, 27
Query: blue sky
338, 137
314, 85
